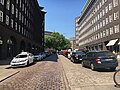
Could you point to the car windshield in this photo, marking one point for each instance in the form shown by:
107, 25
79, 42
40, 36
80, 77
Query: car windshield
21, 56
104, 54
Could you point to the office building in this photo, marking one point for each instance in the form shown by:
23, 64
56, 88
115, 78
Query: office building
98, 26
21, 27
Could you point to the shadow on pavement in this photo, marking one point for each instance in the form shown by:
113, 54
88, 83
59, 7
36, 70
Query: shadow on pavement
5, 61
53, 58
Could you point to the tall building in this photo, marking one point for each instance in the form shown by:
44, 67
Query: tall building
73, 43
21, 27
99, 26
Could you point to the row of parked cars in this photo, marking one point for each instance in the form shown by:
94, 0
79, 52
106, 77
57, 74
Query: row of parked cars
26, 58
95, 59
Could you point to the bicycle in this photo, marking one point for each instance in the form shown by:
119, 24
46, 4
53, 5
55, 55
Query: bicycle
116, 78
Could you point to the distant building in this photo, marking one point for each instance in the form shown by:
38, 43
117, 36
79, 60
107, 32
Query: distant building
48, 33
21, 27
98, 27
73, 43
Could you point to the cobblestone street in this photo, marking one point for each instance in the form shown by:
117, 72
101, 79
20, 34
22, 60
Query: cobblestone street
58, 73
44, 75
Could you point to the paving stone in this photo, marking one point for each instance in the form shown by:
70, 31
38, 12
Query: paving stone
44, 75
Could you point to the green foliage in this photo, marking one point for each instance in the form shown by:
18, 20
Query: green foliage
57, 41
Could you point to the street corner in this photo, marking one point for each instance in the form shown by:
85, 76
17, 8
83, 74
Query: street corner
6, 73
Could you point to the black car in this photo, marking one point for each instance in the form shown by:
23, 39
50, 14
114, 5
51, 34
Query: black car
100, 60
77, 56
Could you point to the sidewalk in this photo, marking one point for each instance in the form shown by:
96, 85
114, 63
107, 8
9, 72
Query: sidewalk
72, 78
5, 72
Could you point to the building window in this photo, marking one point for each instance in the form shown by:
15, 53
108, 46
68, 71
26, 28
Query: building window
107, 21
25, 10
96, 28
101, 35
115, 3
12, 9
1, 16
100, 14
103, 22
106, 9
22, 7
103, 12
103, 1
7, 19
110, 18
19, 15
110, 6
98, 7
100, 4
98, 35
8, 5
111, 30
116, 15
100, 24
2, 2
15, 25
98, 17
16, 12
12, 23
16, 1
104, 33
107, 32
25, 22
116, 28
20, 3
106, 0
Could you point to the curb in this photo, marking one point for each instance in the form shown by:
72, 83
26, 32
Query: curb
9, 76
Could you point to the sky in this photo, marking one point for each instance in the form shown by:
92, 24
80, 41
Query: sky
60, 16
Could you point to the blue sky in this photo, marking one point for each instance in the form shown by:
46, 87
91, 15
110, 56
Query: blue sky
60, 16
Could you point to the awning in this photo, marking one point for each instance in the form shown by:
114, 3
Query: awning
112, 42
119, 43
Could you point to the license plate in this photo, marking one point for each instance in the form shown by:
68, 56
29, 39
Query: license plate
108, 59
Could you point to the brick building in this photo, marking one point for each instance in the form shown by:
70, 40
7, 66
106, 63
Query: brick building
21, 27
98, 26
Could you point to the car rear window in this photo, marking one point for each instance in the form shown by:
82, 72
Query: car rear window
80, 53
21, 56
104, 54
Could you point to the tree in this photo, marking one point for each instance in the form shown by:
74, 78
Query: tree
57, 41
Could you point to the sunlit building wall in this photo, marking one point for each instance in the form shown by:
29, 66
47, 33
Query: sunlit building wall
99, 25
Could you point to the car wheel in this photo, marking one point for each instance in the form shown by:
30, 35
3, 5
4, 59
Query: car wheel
27, 62
113, 69
92, 66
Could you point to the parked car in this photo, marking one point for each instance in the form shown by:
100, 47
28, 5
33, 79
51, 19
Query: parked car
77, 56
43, 54
38, 57
22, 59
100, 60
